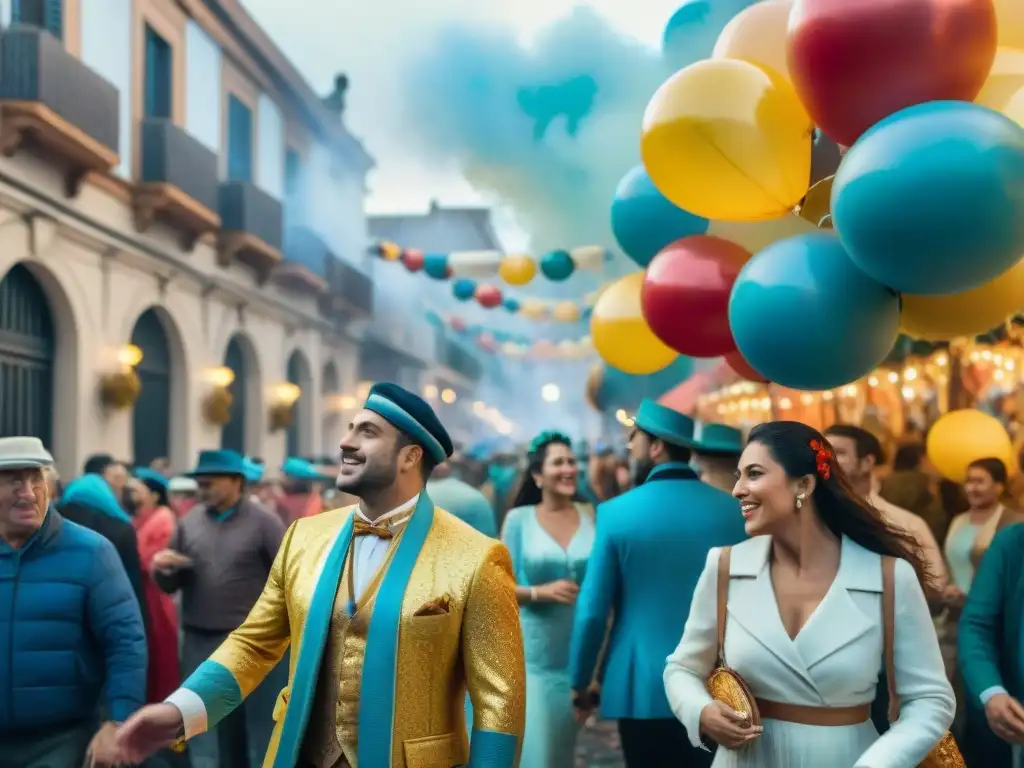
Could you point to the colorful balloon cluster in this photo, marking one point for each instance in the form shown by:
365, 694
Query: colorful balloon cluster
514, 269
927, 204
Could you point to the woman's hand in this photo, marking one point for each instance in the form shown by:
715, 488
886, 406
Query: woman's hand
729, 728
954, 597
562, 591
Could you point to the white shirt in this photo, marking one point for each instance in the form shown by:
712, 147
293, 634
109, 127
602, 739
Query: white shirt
368, 552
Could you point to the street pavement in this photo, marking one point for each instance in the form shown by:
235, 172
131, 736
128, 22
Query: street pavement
598, 746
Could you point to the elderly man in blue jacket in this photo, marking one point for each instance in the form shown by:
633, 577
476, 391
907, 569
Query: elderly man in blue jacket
72, 643
649, 551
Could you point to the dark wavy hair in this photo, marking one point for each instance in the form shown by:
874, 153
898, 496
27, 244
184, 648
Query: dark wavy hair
839, 506
528, 493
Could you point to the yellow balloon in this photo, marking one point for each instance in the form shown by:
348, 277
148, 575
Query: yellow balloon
566, 312
758, 235
726, 139
1010, 17
533, 309
621, 335
1005, 82
960, 437
942, 318
517, 269
757, 34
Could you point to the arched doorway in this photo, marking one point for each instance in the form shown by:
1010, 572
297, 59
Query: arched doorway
299, 432
331, 427
27, 343
238, 357
151, 419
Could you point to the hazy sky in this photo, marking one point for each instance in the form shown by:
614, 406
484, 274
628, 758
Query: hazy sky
375, 43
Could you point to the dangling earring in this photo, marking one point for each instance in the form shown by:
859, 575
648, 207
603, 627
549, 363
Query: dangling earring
799, 501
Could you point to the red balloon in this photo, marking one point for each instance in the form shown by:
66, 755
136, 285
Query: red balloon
855, 62
742, 368
413, 260
685, 297
488, 296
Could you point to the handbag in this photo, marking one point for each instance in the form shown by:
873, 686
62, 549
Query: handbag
945, 754
725, 684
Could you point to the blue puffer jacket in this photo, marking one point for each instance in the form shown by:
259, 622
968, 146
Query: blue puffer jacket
71, 633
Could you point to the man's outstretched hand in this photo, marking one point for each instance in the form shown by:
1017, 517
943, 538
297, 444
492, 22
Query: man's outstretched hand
152, 728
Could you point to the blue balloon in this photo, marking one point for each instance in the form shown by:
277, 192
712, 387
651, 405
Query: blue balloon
435, 265
463, 289
557, 265
626, 390
644, 221
805, 317
931, 199
510, 304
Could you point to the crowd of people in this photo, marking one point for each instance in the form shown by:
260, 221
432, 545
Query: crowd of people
336, 616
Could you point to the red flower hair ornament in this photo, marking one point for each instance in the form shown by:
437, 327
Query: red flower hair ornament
823, 457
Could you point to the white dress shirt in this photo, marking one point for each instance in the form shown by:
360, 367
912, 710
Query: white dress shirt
368, 552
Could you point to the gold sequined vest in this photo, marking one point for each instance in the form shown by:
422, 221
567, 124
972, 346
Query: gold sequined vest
332, 733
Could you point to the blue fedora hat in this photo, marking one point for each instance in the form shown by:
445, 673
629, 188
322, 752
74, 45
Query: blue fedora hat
220, 462
665, 423
253, 471
299, 469
718, 438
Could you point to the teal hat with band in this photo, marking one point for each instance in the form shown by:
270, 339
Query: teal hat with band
666, 424
411, 414
718, 438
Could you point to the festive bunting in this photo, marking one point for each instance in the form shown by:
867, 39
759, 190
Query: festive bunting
512, 268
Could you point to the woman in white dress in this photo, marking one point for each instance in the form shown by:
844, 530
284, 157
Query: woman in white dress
804, 623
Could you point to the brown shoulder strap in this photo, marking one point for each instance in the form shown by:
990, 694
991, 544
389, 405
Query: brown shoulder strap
889, 632
723, 597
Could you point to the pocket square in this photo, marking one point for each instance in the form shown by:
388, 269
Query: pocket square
439, 606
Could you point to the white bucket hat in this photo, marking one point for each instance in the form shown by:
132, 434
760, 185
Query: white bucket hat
23, 453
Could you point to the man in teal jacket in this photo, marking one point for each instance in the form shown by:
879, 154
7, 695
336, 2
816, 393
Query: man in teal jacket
649, 551
991, 654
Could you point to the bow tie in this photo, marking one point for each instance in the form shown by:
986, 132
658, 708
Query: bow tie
362, 528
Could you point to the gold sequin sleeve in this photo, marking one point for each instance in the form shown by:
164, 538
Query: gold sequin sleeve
252, 650
492, 647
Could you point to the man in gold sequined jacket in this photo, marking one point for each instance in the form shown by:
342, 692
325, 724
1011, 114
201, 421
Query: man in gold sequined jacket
394, 608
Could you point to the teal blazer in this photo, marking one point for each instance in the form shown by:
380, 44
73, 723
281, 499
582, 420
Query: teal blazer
989, 638
649, 551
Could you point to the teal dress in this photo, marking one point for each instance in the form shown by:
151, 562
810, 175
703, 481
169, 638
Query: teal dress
550, 738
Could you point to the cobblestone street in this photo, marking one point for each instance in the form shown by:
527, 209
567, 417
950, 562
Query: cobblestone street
598, 747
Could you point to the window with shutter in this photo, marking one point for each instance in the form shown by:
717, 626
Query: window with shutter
48, 14
159, 75
239, 140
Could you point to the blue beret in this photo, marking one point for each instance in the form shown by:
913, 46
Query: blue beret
151, 477
411, 414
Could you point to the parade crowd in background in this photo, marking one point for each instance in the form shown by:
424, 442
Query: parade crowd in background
614, 554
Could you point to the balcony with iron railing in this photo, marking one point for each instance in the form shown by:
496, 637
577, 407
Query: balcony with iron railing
51, 102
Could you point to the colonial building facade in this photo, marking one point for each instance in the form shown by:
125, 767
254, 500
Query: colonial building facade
182, 239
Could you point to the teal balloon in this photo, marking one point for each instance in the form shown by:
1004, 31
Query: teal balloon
463, 289
691, 33
804, 316
931, 199
510, 304
435, 265
557, 265
625, 390
644, 221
